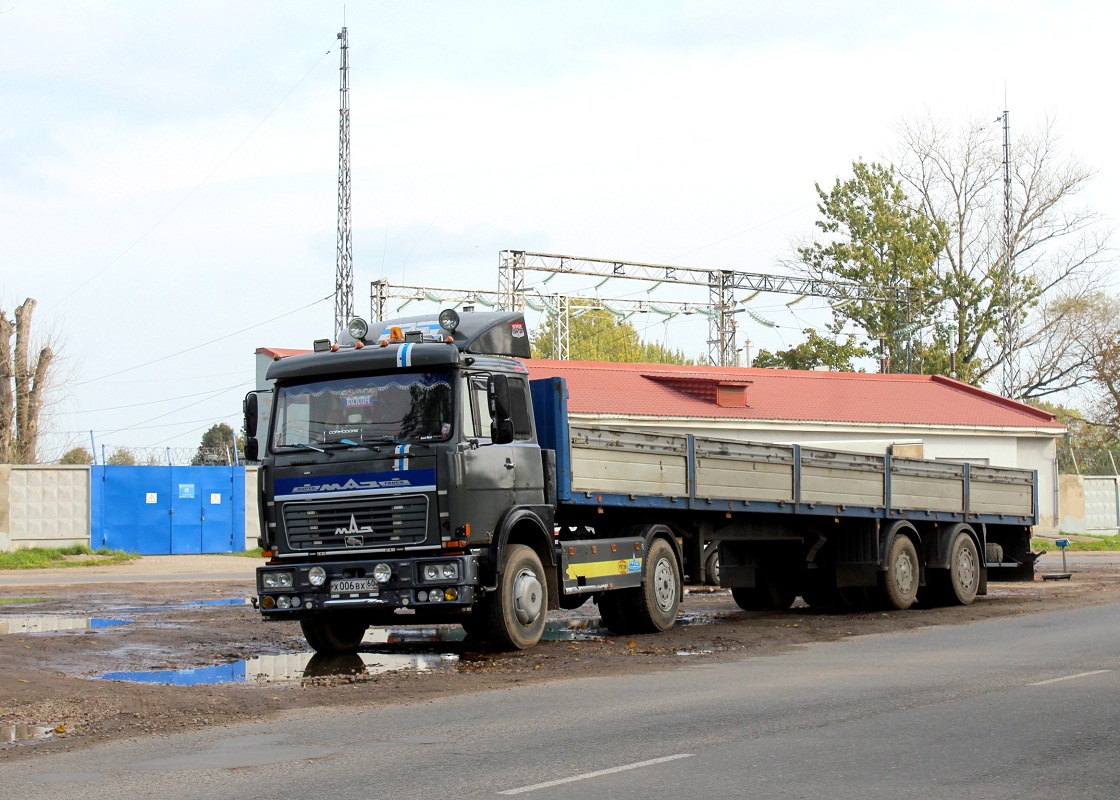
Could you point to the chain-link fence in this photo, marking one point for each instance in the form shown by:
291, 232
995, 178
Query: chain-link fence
1088, 462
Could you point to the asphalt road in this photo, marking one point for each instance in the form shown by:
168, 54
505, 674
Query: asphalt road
1013, 708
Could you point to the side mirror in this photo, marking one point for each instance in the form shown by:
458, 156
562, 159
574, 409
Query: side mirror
258, 409
497, 397
250, 406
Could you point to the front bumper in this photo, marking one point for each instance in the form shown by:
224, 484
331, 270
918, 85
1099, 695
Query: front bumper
406, 587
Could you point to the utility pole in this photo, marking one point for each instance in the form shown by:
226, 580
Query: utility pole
344, 272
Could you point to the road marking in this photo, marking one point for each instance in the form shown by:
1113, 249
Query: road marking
1071, 677
596, 774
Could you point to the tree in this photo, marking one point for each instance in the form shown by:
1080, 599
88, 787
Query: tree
875, 237
214, 448
122, 457
991, 277
595, 334
76, 455
23, 381
816, 351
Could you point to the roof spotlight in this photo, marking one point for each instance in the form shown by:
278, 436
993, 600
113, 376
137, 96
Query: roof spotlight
358, 328
449, 320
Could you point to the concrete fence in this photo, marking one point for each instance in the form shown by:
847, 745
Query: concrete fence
49, 506
1090, 504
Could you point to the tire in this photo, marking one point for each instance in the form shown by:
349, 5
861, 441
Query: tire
612, 611
900, 582
518, 610
773, 595
711, 569
476, 624
333, 635
962, 579
653, 607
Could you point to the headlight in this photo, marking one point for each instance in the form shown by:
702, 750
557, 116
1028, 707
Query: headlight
317, 576
277, 580
439, 573
382, 573
283, 602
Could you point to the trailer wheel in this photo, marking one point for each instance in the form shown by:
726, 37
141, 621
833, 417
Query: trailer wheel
900, 582
333, 636
959, 583
518, 610
772, 595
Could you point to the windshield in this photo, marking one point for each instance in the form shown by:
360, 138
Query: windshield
399, 408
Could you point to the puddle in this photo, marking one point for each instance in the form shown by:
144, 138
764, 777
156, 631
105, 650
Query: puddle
233, 601
292, 667
559, 631
53, 624
10, 734
289, 667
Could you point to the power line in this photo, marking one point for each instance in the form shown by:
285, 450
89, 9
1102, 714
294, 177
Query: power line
204, 344
189, 194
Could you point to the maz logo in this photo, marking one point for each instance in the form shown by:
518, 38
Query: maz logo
353, 540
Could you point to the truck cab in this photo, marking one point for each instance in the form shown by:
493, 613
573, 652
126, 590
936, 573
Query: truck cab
393, 463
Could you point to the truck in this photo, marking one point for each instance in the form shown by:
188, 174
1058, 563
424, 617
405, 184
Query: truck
415, 471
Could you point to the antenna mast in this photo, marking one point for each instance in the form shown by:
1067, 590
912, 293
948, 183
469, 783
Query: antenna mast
1011, 314
344, 273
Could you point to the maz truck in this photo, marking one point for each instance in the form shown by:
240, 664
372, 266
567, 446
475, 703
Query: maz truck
415, 472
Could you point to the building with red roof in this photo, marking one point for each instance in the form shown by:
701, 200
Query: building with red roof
928, 416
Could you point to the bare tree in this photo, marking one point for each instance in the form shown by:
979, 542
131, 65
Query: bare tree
22, 386
958, 177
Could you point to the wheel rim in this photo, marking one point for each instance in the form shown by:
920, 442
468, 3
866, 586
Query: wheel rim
904, 573
528, 597
967, 569
664, 584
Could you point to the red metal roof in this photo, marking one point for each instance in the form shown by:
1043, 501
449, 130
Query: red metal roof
665, 390
778, 395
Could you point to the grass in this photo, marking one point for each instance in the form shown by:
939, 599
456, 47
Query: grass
9, 600
74, 556
1096, 543
254, 553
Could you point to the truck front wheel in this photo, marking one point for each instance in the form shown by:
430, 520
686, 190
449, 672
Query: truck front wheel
518, 610
333, 635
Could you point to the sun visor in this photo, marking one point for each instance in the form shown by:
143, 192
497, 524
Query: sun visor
491, 333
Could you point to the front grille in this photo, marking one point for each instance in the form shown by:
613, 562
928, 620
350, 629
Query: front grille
356, 524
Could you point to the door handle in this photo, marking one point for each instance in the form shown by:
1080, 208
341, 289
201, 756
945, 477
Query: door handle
509, 463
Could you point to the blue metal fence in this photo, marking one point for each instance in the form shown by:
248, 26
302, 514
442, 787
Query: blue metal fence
168, 510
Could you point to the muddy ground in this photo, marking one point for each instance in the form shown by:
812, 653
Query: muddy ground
51, 695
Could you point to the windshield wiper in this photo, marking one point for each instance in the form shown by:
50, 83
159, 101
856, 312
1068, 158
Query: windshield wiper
306, 446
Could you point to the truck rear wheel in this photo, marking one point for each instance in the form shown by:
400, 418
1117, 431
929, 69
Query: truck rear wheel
518, 610
333, 635
900, 582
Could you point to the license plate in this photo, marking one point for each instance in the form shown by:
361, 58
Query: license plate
364, 585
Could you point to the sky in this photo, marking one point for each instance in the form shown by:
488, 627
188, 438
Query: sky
169, 171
